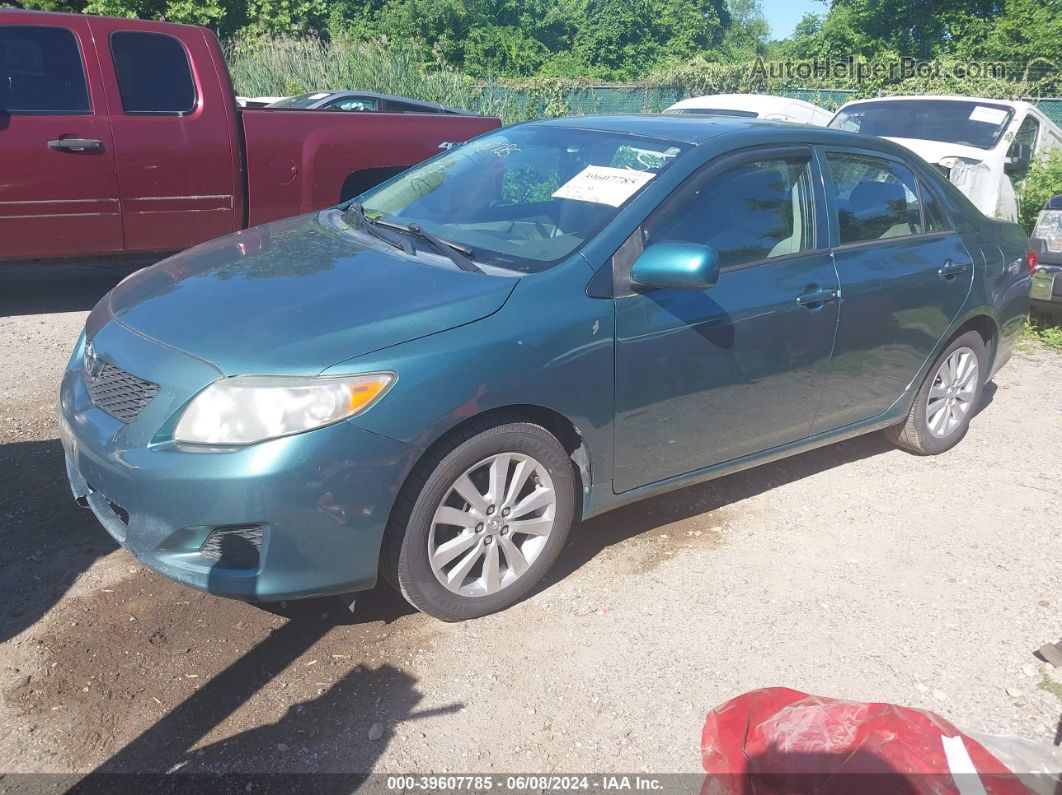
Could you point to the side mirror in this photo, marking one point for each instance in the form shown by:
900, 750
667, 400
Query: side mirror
682, 266
1018, 158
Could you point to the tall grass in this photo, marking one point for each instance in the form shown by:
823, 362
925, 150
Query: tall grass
287, 65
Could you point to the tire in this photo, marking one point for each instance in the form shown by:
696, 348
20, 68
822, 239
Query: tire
498, 577
931, 430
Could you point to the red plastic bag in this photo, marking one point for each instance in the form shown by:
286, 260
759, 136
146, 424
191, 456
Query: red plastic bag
779, 740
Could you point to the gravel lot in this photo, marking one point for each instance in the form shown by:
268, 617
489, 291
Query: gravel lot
856, 571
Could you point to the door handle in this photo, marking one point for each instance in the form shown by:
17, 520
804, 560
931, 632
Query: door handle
817, 298
950, 269
76, 145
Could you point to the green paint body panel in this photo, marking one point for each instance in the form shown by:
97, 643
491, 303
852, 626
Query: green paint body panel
665, 386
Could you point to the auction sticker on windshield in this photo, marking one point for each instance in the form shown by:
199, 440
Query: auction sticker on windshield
603, 185
988, 115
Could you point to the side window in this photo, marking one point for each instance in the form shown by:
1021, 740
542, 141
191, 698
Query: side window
352, 103
1026, 134
936, 219
153, 73
755, 211
41, 71
876, 199
405, 107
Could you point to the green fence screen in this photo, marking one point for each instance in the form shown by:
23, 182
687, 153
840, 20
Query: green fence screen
653, 99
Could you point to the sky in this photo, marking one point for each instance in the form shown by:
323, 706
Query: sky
784, 14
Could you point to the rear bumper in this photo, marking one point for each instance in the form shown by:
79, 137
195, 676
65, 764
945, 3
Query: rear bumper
293, 517
1047, 288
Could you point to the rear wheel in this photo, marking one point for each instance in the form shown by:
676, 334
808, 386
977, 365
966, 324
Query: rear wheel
481, 521
947, 399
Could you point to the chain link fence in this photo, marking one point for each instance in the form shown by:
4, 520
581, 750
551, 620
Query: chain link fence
592, 100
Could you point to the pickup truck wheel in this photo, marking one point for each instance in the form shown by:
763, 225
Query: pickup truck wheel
947, 399
481, 520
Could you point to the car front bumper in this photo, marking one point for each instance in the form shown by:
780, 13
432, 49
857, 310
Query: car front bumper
294, 517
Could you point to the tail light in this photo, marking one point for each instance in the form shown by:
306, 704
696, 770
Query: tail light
1032, 259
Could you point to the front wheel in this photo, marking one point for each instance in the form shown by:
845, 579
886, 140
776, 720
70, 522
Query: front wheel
481, 521
947, 399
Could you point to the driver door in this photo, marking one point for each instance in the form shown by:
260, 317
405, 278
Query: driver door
706, 376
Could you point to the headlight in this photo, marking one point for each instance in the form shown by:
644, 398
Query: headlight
249, 409
1049, 229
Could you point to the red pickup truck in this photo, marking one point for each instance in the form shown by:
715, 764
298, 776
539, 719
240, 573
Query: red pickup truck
123, 136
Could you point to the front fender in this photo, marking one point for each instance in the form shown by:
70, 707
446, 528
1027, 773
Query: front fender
550, 346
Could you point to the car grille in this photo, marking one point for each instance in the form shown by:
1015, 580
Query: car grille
120, 394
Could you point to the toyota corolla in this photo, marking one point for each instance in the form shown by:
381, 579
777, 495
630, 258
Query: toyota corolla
435, 381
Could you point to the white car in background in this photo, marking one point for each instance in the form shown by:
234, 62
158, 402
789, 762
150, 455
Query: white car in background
982, 145
755, 106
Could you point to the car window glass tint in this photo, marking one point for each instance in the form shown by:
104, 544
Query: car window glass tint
876, 199
352, 103
404, 107
153, 73
1027, 132
41, 71
935, 217
755, 211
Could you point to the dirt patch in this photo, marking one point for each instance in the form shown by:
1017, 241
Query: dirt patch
118, 663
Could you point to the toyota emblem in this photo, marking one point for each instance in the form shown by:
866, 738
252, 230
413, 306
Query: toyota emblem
93, 364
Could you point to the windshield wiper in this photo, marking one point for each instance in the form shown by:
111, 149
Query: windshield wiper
369, 225
457, 252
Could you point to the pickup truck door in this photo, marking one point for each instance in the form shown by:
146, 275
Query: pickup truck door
58, 189
174, 121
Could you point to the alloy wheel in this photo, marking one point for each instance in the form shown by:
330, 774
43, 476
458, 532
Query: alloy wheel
492, 524
951, 396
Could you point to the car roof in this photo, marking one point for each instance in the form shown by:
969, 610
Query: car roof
761, 103
682, 128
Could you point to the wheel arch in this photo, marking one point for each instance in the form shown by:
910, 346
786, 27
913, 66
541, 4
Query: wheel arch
985, 325
562, 428
360, 181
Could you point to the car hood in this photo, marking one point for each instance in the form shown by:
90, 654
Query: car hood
295, 297
933, 151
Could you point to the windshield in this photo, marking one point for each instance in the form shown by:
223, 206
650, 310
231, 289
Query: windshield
301, 100
978, 124
526, 197
745, 114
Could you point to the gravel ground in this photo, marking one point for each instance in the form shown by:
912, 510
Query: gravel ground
855, 571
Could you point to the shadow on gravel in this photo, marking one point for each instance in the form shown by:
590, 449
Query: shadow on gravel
42, 288
588, 539
337, 735
46, 540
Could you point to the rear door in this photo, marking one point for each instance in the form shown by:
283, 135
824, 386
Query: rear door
174, 121
58, 189
904, 276
706, 376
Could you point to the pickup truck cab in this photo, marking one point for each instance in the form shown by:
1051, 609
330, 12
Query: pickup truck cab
981, 145
124, 136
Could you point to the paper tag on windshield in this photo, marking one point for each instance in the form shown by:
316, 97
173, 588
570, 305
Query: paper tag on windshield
319, 96
988, 115
603, 185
